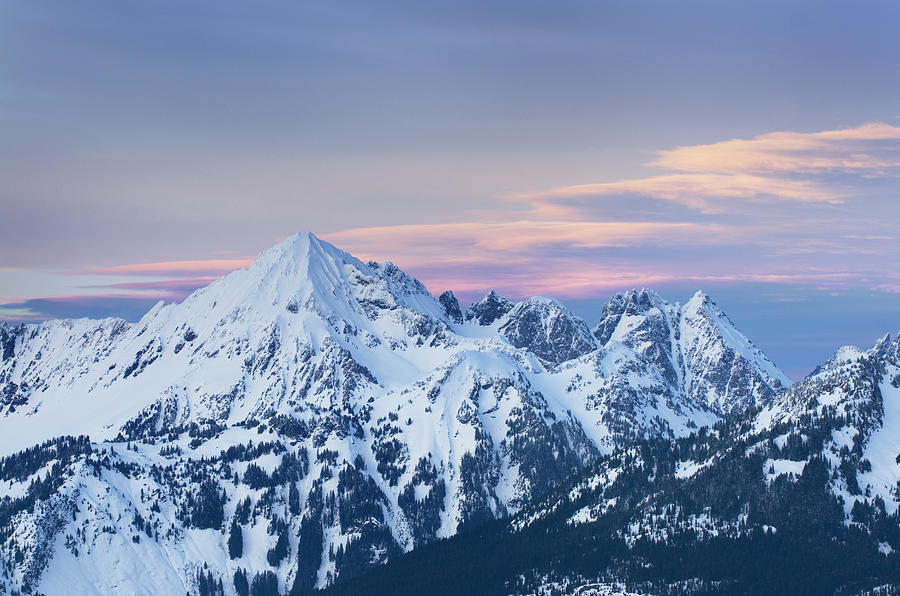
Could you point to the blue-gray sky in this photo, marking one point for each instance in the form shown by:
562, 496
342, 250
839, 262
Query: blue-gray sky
571, 149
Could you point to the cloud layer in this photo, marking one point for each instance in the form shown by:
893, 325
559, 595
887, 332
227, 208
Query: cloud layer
784, 207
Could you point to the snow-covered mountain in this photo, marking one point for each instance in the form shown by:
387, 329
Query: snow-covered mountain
812, 479
327, 414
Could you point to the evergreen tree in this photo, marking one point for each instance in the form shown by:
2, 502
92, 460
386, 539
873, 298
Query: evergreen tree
207, 506
241, 586
280, 550
294, 499
264, 584
235, 541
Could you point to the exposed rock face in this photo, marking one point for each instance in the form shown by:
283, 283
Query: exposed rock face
548, 330
451, 306
644, 322
888, 348
696, 346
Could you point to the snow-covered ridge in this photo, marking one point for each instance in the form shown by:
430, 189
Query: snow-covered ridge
240, 345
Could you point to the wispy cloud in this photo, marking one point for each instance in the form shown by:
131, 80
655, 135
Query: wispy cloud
516, 236
126, 290
757, 198
707, 192
168, 288
580, 259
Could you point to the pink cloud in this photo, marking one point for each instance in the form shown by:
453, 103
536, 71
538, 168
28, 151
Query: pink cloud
577, 278
78, 298
561, 242
518, 258
481, 238
178, 287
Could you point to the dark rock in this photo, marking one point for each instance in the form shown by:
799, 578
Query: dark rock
489, 309
451, 306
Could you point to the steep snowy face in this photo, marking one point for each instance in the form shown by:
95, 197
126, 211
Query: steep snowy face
846, 385
626, 398
304, 275
626, 314
853, 384
489, 309
722, 368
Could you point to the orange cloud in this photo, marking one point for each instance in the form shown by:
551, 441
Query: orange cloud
778, 166
860, 149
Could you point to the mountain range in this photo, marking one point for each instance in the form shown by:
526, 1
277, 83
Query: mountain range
303, 423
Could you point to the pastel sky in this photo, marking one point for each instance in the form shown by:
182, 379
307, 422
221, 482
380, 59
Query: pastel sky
573, 149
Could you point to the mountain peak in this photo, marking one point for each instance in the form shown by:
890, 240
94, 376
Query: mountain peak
703, 301
302, 285
299, 269
700, 295
696, 345
621, 311
548, 329
299, 250
634, 301
713, 349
